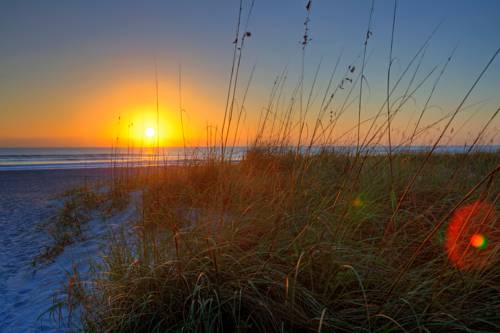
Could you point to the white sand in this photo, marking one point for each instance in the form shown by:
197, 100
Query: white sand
26, 199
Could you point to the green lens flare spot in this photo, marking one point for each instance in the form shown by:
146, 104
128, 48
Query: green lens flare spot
479, 241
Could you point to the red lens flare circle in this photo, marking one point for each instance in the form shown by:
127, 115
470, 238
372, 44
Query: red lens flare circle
471, 235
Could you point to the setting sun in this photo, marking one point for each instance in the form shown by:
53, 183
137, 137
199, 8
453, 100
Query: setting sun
150, 132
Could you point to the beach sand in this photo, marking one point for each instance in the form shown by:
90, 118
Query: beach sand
28, 198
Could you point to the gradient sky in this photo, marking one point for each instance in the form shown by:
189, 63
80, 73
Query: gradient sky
69, 69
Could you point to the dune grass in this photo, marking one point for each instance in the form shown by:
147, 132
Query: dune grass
285, 243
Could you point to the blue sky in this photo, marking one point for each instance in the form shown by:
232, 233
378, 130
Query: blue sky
70, 51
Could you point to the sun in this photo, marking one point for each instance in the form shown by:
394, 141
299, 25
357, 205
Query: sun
149, 132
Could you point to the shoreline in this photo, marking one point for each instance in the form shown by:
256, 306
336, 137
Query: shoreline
43, 159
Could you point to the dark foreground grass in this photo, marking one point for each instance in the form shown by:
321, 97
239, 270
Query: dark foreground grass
292, 243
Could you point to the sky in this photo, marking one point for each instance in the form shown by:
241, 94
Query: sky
82, 73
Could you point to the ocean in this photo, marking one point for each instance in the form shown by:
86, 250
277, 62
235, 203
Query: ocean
85, 158
91, 158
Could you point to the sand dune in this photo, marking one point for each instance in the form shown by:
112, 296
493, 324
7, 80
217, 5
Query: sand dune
26, 199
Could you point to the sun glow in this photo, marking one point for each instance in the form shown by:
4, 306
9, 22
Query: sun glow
142, 127
149, 132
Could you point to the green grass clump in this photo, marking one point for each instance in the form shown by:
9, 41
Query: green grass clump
79, 206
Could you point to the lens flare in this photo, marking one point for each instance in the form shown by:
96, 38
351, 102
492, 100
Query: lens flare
468, 234
357, 202
478, 241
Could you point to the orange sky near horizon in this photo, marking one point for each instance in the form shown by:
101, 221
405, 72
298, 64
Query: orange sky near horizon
118, 109
124, 110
